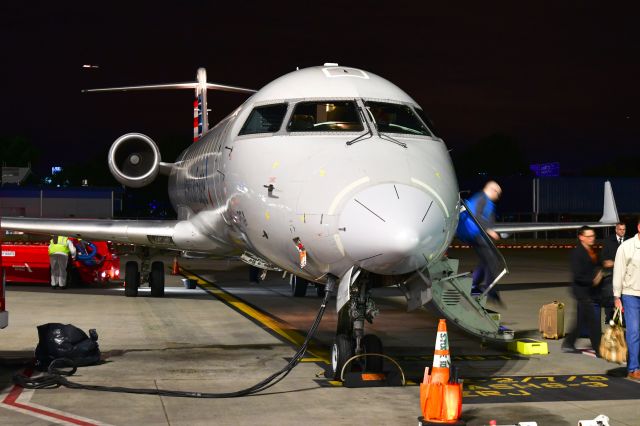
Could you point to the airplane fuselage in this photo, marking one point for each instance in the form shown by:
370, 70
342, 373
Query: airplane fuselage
386, 202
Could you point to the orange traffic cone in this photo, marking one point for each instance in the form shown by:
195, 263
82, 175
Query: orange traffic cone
441, 394
441, 356
175, 270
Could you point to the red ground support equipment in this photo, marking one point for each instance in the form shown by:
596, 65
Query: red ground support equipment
28, 262
96, 261
4, 314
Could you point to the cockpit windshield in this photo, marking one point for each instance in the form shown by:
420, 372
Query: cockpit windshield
325, 116
396, 118
264, 119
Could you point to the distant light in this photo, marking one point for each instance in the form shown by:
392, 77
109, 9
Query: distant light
546, 169
91, 66
56, 170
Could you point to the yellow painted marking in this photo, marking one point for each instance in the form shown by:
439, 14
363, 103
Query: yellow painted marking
345, 191
275, 165
267, 215
313, 359
438, 175
278, 327
323, 172
335, 383
526, 379
302, 218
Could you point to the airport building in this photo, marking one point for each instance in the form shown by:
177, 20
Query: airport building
84, 202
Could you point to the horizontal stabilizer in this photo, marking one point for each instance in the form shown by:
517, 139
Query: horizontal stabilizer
172, 86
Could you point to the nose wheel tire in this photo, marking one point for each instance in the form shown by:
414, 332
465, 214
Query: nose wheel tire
156, 279
131, 279
298, 286
341, 351
372, 345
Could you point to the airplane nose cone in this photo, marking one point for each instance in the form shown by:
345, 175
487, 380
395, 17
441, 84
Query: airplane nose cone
392, 229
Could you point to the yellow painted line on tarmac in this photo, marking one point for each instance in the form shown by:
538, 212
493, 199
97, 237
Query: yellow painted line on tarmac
279, 327
309, 359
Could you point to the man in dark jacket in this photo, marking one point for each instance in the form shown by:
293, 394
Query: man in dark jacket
607, 256
587, 275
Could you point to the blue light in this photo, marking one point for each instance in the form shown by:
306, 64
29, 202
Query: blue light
546, 169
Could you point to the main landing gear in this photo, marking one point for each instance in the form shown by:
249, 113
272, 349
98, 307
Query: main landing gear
351, 339
152, 272
299, 287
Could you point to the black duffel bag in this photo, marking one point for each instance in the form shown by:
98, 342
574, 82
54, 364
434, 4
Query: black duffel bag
57, 341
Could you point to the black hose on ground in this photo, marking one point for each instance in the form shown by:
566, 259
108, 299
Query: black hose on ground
55, 377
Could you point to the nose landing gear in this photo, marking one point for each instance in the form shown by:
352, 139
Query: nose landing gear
351, 345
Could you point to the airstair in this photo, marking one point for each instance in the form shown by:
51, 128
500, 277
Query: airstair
452, 298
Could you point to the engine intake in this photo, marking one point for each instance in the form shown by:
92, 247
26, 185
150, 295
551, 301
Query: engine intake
134, 160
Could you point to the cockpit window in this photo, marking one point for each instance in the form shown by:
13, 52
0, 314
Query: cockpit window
264, 119
396, 118
325, 116
427, 120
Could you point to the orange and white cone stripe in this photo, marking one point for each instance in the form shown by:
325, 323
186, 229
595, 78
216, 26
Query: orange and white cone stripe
441, 355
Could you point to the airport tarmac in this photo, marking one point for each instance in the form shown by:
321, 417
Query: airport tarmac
229, 334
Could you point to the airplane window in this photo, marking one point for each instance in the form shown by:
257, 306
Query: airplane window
396, 118
338, 116
264, 119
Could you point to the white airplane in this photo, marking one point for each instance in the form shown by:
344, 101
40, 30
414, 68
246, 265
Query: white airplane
330, 173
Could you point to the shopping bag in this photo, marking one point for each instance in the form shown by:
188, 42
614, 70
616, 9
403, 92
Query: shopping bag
613, 346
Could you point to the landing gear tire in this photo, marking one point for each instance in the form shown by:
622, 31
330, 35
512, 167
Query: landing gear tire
298, 286
341, 351
372, 345
131, 279
156, 279
320, 290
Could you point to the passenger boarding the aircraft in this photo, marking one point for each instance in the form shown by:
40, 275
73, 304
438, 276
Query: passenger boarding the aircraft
482, 207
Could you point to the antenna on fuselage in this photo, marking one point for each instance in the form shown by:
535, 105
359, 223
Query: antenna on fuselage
200, 114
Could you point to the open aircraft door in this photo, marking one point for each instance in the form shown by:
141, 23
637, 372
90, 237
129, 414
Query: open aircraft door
451, 293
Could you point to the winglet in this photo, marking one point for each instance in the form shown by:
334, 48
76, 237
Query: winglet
609, 211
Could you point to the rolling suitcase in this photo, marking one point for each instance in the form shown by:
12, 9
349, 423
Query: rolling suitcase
551, 320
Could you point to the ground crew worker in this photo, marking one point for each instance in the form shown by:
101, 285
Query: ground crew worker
59, 250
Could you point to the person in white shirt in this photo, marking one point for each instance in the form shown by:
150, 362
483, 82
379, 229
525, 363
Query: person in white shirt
626, 293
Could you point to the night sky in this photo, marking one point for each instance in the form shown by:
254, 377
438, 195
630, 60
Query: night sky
561, 78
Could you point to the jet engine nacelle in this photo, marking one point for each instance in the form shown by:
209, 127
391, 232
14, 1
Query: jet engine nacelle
134, 160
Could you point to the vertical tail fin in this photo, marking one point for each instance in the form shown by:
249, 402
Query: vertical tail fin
200, 111
609, 210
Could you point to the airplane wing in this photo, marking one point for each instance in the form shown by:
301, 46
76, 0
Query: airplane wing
166, 234
609, 218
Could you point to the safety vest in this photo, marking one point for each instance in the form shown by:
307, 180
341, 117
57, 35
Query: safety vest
60, 246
